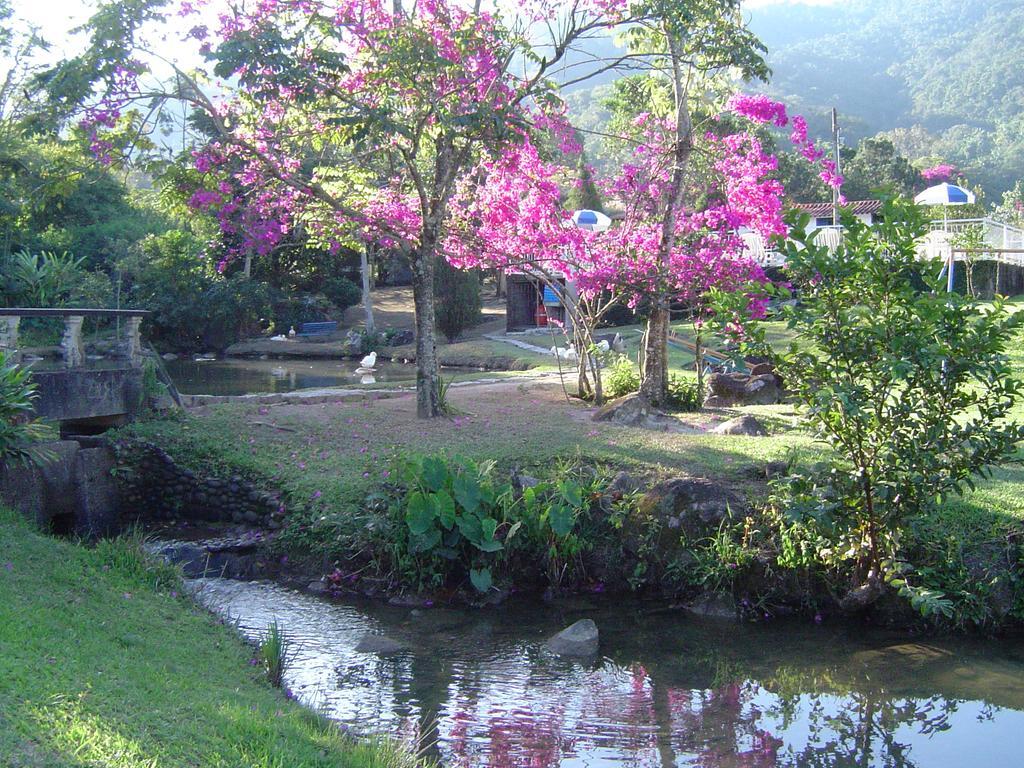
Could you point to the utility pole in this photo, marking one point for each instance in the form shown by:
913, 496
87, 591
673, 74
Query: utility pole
835, 158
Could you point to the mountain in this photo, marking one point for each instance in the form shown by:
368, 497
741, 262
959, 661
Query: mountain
944, 79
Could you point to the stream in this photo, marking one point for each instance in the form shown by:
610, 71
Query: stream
668, 689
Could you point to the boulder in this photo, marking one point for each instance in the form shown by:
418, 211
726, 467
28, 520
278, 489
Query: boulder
731, 389
693, 506
382, 645
741, 425
521, 482
353, 342
714, 606
623, 482
631, 410
579, 639
863, 597
765, 389
401, 338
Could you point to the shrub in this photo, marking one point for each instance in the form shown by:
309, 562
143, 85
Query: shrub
342, 292
456, 299
291, 311
18, 427
235, 308
621, 378
684, 393
910, 388
43, 279
454, 519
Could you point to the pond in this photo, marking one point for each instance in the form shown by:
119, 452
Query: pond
667, 690
243, 376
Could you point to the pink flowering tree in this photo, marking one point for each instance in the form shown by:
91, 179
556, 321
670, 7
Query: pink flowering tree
508, 216
939, 173
689, 45
349, 118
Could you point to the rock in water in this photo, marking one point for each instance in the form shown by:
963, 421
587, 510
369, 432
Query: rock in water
742, 425
579, 639
714, 607
382, 645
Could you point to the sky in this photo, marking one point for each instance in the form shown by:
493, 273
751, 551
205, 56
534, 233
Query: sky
56, 17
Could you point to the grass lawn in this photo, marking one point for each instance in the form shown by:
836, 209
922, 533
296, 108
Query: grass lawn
341, 449
102, 665
335, 452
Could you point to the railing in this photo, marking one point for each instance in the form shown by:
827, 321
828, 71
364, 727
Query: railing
72, 349
997, 234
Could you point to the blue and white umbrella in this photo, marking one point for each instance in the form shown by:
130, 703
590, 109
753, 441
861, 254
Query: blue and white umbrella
945, 194
595, 221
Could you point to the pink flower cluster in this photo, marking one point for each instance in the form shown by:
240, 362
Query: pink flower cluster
513, 220
940, 172
761, 109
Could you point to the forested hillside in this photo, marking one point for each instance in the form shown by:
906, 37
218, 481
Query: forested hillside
943, 78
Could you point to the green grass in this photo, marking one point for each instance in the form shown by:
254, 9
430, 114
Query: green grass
102, 665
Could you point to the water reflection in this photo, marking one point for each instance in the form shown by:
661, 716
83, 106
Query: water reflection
239, 376
669, 692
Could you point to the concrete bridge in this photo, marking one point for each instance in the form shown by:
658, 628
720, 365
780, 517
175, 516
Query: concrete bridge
84, 396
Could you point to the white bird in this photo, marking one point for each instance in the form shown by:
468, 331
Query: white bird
564, 354
369, 361
603, 346
291, 331
278, 372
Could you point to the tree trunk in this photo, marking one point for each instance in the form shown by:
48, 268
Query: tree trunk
698, 348
654, 381
428, 390
364, 270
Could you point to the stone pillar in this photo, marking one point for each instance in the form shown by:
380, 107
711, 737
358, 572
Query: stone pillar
71, 344
9, 337
133, 341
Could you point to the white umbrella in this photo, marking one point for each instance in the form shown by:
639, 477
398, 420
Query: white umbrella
945, 194
595, 221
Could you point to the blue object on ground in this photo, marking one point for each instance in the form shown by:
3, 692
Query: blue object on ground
318, 329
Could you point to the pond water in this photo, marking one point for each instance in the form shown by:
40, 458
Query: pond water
243, 376
667, 690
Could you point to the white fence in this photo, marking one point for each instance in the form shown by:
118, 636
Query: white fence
936, 245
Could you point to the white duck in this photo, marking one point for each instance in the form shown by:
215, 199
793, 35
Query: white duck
366, 365
603, 346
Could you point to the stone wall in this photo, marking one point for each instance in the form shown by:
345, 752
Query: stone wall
72, 491
154, 487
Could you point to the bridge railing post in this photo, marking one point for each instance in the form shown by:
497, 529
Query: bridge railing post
9, 337
133, 341
71, 343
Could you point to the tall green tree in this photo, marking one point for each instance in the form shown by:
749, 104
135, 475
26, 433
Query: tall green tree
878, 165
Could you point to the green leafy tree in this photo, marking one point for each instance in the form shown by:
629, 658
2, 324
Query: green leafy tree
583, 194
457, 299
877, 165
910, 388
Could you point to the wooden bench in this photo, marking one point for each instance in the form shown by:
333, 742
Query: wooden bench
318, 329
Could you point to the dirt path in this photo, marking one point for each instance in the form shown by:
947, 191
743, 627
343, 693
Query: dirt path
393, 308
